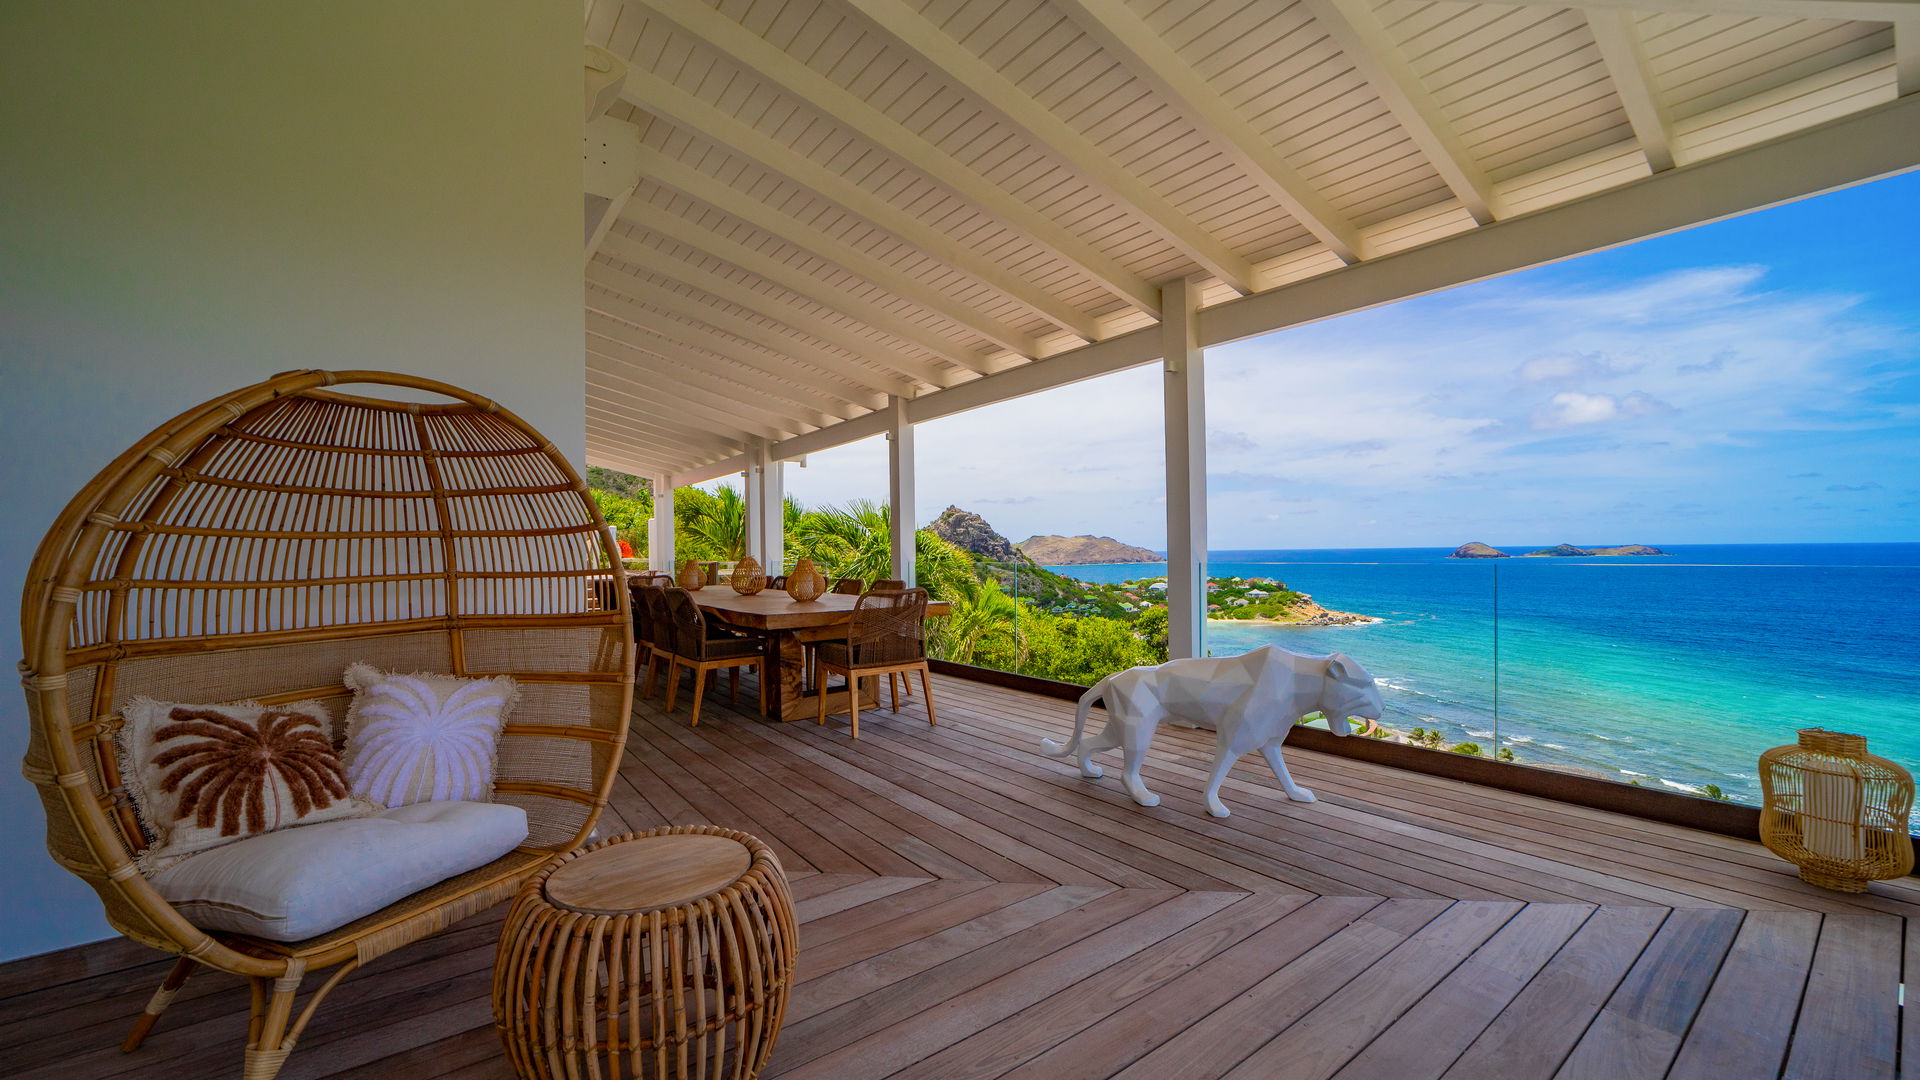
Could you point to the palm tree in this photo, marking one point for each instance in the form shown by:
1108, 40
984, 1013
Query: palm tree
854, 540
979, 613
712, 525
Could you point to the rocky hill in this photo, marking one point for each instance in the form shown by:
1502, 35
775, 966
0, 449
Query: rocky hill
969, 531
1560, 551
1083, 550
1478, 550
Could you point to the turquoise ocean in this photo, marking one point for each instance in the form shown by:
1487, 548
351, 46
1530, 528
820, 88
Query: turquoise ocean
1671, 671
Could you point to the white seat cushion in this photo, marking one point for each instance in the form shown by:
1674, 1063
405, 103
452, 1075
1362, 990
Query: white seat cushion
296, 883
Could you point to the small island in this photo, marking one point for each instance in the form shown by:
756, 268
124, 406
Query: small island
1264, 600
1478, 550
1563, 551
1083, 551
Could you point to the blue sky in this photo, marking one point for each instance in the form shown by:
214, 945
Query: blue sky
1755, 380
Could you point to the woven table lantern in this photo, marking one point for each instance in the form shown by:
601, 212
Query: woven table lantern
747, 578
805, 583
692, 577
1836, 811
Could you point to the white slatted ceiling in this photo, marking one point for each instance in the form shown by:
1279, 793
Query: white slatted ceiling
1522, 85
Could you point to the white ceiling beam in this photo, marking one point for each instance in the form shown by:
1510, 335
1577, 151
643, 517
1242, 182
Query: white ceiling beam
655, 440
678, 176
712, 469
1864, 146
610, 395
1625, 55
967, 73
610, 160
699, 349
609, 454
1906, 54
1358, 32
1853, 10
852, 111
696, 352
1143, 51
652, 397
801, 283
694, 383
865, 379
901, 370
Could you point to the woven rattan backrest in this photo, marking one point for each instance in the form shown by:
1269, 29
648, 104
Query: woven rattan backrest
849, 586
642, 617
660, 616
888, 626
889, 584
689, 624
255, 546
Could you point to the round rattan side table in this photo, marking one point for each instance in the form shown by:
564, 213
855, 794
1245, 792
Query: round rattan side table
662, 954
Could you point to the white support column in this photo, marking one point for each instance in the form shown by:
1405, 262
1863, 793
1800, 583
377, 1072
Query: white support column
900, 490
1185, 399
766, 496
660, 529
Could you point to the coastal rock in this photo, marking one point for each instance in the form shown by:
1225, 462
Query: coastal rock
1559, 551
1478, 550
969, 531
1083, 550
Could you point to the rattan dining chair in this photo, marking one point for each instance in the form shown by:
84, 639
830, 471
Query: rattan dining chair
255, 546
885, 636
700, 647
645, 593
849, 586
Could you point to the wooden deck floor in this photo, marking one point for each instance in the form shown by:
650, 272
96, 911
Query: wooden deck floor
971, 908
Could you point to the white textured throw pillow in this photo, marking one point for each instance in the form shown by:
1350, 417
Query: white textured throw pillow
424, 738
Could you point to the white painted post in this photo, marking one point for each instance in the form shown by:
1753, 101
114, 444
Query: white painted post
660, 529
1185, 400
766, 494
900, 490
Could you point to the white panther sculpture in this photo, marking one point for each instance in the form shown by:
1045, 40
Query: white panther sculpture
1250, 701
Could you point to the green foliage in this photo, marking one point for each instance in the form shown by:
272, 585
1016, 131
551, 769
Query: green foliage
1505, 754
709, 525
621, 484
627, 516
1712, 791
1470, 749
1079, 649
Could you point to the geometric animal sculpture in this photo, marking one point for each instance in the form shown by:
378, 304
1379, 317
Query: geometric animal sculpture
1250, 702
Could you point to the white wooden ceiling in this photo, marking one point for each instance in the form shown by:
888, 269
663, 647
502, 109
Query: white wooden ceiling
825, 203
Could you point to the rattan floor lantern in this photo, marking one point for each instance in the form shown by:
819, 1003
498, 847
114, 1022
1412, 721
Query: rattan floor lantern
1836, 811
252, 548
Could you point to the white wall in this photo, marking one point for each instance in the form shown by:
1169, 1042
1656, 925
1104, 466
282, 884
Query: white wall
196, 195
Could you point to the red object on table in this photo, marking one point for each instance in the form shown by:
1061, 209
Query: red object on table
626, 550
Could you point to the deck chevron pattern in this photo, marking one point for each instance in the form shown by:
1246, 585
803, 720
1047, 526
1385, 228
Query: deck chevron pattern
970, 908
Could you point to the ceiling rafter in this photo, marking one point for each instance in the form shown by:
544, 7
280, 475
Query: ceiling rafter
611, 454
678, 176
642, 412
620, 379
889, 373
669, 338
981, 81
1144, 52
656, 440
1617, 35
800, 283
1906, 55
668, 365
712, 351
1855, 10
755, 53
1358, 32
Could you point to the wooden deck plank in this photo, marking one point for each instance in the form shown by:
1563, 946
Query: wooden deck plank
971, 907
1532, 1036
1638, 1031
1743, 1027
1849, 1024
1425, 1040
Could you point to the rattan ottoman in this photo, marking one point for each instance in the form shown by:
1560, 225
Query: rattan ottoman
659, 954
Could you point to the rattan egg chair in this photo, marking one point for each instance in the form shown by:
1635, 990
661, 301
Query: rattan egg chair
255, 546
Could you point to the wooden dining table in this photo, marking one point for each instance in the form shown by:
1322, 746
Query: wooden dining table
788, 626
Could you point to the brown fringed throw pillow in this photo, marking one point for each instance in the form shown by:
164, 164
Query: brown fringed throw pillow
206, 775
